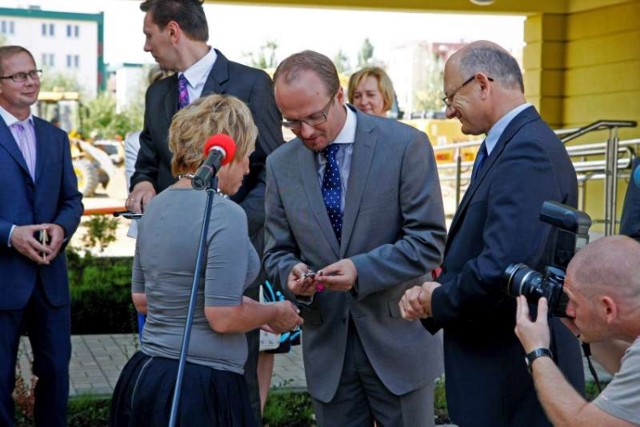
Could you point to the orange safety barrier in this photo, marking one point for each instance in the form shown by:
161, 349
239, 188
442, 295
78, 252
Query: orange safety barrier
108, 210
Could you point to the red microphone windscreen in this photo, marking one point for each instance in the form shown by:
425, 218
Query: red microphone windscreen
223, 141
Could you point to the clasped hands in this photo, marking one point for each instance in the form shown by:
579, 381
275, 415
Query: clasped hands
416, 301
24, 241
340, 276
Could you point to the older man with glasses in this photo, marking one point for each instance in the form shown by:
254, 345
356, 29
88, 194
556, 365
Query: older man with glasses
354, 218
521, 164
40, 208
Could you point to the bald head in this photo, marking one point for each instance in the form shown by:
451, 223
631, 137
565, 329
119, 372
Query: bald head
486, 57
611, 266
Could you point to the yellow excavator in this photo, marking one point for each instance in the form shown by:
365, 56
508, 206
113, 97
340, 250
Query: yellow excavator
91, 165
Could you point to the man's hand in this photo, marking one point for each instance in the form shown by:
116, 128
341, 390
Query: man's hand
24, 241
287, 318
298, 284
536, 334
56, 238
142, 193
340, 276
416, 302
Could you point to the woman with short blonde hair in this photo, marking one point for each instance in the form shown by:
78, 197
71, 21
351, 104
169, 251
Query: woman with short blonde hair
214, 391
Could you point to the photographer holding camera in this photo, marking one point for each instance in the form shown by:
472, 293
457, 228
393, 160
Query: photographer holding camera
603, 287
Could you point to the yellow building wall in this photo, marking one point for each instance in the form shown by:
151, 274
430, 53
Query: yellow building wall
602, 80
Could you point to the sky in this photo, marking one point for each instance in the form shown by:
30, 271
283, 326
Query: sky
239, 29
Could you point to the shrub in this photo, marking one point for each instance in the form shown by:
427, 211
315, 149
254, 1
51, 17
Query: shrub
100, 294
288, 409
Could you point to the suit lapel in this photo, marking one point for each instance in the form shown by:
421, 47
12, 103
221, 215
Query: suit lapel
41, 148
512, 128
363, 149
313, 193
171, 98
9, 143
218, 76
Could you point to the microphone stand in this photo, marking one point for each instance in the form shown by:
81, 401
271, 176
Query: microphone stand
192, 301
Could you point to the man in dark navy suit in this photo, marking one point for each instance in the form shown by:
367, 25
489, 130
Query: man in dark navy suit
520, 164
176, 35
38, 194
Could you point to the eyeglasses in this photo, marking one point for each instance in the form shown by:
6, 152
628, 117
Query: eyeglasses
448, 100
22, 76
314, 119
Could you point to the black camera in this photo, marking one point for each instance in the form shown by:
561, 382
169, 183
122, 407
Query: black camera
572, 235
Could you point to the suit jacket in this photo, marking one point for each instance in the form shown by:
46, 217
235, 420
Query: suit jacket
250, 85
52, 198
393, 231
630, 220
496, 224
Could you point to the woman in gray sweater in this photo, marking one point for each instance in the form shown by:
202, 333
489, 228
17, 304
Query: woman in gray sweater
214, 391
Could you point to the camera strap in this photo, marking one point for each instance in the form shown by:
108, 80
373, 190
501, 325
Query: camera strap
586, 349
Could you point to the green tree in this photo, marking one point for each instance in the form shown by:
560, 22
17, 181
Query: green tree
265, 58
427, 96
366, 53
57, 81
104, 122
341, 61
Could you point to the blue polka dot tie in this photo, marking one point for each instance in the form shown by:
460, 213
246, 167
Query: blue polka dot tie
183, 92
331, 188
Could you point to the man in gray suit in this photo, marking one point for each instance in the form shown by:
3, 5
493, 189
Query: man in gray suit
355, 198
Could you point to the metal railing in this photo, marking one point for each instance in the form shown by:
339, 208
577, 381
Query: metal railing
612, 156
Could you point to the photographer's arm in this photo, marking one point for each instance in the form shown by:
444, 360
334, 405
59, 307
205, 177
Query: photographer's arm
561, 402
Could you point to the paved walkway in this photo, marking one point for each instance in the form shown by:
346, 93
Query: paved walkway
97, 360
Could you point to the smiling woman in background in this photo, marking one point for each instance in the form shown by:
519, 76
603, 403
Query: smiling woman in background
371, 91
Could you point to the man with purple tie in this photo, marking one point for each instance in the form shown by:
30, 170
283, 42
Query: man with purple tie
40, 208
176, 35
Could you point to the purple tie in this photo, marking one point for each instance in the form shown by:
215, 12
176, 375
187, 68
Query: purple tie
183, 92
25, 137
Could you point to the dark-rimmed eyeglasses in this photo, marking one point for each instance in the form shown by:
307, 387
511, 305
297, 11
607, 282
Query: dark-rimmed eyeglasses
22, 76
314, 119
448, 100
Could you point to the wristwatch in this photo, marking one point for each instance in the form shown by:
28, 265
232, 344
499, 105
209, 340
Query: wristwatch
538, 352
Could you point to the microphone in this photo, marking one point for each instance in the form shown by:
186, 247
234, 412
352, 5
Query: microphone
219, 149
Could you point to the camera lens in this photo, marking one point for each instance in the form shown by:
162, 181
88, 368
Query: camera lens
522, 280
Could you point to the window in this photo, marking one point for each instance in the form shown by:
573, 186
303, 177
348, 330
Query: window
73, 61
48, 30
48, 60
73, 31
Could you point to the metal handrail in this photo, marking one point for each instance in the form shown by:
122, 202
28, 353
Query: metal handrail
617, 155
595, 126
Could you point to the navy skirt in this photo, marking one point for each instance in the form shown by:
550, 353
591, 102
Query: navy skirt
210, 397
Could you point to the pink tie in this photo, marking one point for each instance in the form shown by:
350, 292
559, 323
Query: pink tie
24, 136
